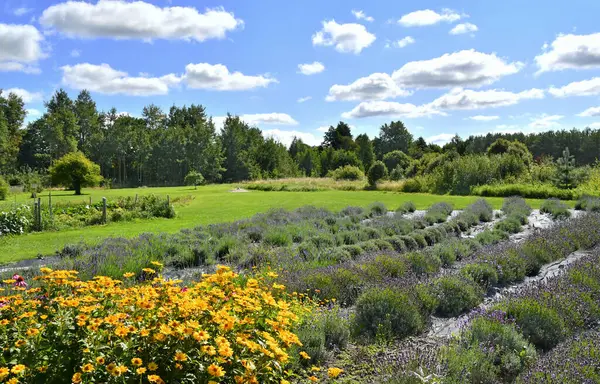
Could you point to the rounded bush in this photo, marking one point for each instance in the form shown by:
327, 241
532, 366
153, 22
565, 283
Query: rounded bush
406, 207
412, 186
483, 274
377, 209
377, 172
386, 310
347, 172
457, 295
541, 325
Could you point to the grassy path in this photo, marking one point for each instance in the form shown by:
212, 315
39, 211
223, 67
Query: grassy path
211, 204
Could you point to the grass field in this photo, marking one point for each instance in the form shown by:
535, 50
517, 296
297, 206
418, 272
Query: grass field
211, 204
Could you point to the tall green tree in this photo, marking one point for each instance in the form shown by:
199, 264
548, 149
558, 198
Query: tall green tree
61, 130
365, 151
12, 116
392, 137
75, 171
566, 165
88, 121
240, 142
339, 137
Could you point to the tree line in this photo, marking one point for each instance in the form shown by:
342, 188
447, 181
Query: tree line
162, 147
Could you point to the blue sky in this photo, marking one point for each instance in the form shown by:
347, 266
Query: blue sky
466, 67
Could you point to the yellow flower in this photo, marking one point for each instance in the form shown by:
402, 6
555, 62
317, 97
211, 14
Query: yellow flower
149, 271
304, 355
272, 274
334, 372
140, 371
18, 369
154, 378
41, 369
100, 360
136, 361
121, 369
315, 369
284, 382
4, 372
313, 379
128, 275
87, 368
20, 343
76, 378
14, 380
215, 370
32, 332
180, 356
156, 263
45, 270
153, 366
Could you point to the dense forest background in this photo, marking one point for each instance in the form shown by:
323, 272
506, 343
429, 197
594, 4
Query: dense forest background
161, 147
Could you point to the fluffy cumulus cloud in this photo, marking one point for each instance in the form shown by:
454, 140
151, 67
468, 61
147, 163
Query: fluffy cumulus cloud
405, 41
285, 137
104, 79
463, 28
593, 111
28, 97
311, 68
589, 87
484, 118
20, 48
323, 128
360, 15
571, 52
121, 19
468, 99
346, 38
378, 86
217, 77
594, 125
428, 17
545, 121
441, 139
458, 69
389, 108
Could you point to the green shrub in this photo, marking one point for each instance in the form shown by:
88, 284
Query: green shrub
278, 238
4, 188
538, 191
588, 203
438, 213
488, 237
542, 326
457, 295
489, 351
512, 267
406, 207
422, 263
347, 172
510, 224
377, 209
15, 221
413, 185
483, 274
386, 313
353, 250
419, 239
377, 172
385, 266
556, 208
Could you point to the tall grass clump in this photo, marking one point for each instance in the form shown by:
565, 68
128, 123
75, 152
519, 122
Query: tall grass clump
556, 208
438, 213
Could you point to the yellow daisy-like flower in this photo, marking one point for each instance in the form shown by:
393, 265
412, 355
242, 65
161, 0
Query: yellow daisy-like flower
20, 343
18, 369
14, 380
4, 372
215, 371
315, 369
153, 366
100, 360
334, 372
154, 378
304, 355
76, 378
87, 368
140, 371
136, 361
128, 275
180, 356
314, 379
32, 332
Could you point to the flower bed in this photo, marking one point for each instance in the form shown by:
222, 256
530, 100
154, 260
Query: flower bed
224, 329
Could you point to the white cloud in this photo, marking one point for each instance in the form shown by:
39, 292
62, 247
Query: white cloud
347, 38
269, 118
286, 137
589, 87
545, 121
441, 139
389, 108
323, 128
75, 53
428, 17
28, 97
33, 113
594, 125
463, 28
217, 77
360, 15
311, 69
377, 86
593, 111
484, 118
20, 48
104, 79
464, 68
468, 99
22, 11
571, 52
401, 43
507, 128
121, 19
303, 99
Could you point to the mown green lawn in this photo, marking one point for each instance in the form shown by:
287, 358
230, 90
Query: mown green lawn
211, 204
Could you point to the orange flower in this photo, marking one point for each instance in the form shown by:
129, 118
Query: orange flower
180, 356
215, 370
76, 378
